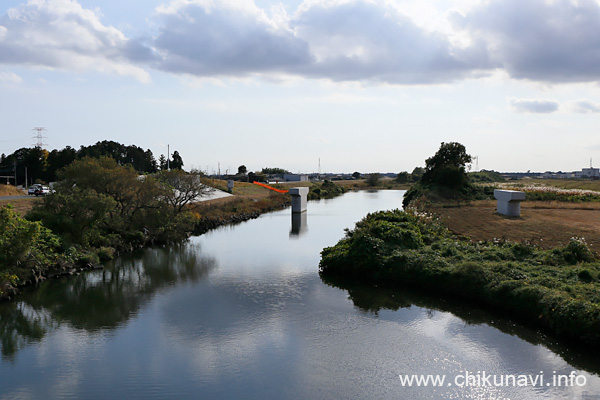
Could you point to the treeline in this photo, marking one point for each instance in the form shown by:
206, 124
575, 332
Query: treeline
99, 208
41, 166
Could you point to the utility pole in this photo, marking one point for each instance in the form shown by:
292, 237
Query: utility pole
319, 171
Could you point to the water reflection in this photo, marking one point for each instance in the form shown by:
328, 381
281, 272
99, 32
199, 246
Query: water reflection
376, 300
102, 299
299, 224
20, 325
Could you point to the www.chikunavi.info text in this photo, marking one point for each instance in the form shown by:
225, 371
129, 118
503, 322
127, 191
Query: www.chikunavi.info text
483, 379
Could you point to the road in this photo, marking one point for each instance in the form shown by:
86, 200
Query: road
14, 197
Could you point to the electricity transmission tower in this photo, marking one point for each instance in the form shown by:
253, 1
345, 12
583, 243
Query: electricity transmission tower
39, 136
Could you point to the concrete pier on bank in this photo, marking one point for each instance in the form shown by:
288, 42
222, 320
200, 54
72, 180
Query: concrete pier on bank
509, 202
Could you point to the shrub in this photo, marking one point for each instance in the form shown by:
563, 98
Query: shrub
522, 250
577, 251
106, 253
25, 245
585, 276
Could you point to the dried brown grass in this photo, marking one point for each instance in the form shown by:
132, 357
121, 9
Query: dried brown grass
9, 190
546, 224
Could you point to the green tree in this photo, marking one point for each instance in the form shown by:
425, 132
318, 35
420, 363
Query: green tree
34, 159
242, 170
356, 175
79, 216
486, 176
256, 177
402, 177
373, 179
445, 176
416, 174
162, 162
274, 171
150, 164
58, 159
112, 205
177, 161
448, 166
24, 244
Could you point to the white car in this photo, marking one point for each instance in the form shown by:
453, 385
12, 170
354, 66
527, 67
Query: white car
42, 191
32, 189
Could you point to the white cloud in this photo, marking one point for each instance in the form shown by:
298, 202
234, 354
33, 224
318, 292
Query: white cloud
539, 40
369, 40
586, 106
534, 106
228, 38
61, 34
377, 41
10, 78
355, 40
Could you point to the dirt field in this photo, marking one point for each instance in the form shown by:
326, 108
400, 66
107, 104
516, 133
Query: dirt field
546, 224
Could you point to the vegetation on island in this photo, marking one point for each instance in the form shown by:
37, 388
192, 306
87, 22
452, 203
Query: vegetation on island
557, 289
325, 190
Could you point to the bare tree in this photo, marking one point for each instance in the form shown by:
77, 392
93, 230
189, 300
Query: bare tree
183, 189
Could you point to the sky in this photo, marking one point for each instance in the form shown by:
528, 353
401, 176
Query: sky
335, 85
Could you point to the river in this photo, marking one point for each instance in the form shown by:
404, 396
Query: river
241, 313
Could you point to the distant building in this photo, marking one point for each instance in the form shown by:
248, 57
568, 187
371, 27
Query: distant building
295, 178
593, 173
559, 175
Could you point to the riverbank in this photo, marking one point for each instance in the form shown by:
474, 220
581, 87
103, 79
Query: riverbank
556, 290
51, 260
230, 210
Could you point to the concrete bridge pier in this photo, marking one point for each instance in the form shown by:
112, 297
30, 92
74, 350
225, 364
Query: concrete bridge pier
509, 202
299, 199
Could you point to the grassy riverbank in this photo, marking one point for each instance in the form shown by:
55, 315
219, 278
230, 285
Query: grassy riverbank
557, 290
229, 210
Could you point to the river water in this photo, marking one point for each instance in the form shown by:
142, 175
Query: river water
241, 313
